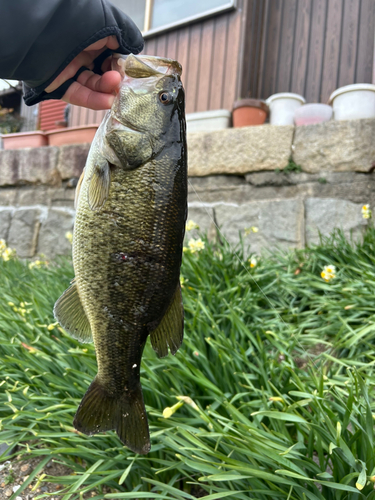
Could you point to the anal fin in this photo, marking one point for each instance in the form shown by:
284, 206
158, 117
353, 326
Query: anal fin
170, 330
101, 411
70, 314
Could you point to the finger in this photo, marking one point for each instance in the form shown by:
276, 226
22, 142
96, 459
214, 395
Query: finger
109, 41
83, 59
82, 96
107, 83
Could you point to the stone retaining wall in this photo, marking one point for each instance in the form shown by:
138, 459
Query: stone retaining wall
237, 179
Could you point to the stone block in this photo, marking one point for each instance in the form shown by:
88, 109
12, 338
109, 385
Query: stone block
204, 217
335, 146
218, 188
24, 229
5, 219
72, 160
61, 197
28, 196
280, 223
29, 166
323, 215
52, 240
8, 196
239, 150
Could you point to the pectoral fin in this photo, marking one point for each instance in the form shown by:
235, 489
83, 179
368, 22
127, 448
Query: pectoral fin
132, 148
170, 331
99, 185
70, 314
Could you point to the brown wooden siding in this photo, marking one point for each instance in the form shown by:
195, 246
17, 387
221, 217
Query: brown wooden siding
209, 54
79, 116
310, 47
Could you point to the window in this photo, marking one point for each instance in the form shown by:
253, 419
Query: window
156, 15
165, 12
135, 9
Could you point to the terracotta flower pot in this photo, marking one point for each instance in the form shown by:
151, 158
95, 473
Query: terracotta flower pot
248, 112
72, 135
34, 139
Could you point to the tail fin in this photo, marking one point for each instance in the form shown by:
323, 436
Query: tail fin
100, 411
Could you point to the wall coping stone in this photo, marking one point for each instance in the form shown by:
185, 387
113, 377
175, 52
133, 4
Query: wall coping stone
335, 146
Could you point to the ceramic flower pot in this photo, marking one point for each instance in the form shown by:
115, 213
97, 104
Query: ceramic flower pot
353, 102
34, 139
247, 112
308, 114
72, 135
283, 107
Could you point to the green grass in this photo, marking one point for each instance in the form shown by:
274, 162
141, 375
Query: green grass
279, 366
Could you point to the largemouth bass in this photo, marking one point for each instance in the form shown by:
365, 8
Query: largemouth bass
127, 245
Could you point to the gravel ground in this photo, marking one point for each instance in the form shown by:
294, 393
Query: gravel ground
15, 472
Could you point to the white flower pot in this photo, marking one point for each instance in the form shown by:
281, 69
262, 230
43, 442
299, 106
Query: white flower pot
309, 114
353, 102
283, 106
206, 121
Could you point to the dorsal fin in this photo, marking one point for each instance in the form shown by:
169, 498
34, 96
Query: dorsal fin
136, 68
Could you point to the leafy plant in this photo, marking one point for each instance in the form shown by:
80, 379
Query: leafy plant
9, 121
290, 167
269, 397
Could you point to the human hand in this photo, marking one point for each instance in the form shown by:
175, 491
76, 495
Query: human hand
90, 90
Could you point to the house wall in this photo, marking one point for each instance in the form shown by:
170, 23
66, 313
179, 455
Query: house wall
209, 52
310, 47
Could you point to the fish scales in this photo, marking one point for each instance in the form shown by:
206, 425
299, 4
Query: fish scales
127, 254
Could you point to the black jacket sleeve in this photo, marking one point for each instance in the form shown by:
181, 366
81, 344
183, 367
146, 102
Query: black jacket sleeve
39, 38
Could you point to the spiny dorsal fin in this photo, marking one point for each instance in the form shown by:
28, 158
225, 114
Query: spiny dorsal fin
70, 314
170, 331
136, 68
99, 185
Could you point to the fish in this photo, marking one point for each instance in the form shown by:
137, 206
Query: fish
127, 245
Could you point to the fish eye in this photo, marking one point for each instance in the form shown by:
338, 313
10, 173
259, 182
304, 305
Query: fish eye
165, 97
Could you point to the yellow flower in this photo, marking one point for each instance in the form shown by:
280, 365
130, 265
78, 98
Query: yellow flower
196, 245
8, 254
251, 229
2, 245
253, 262
218, 254
69, 237
51, 326
366, 212
168, 411
328, 273
38, 264
190, 225
188, 401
